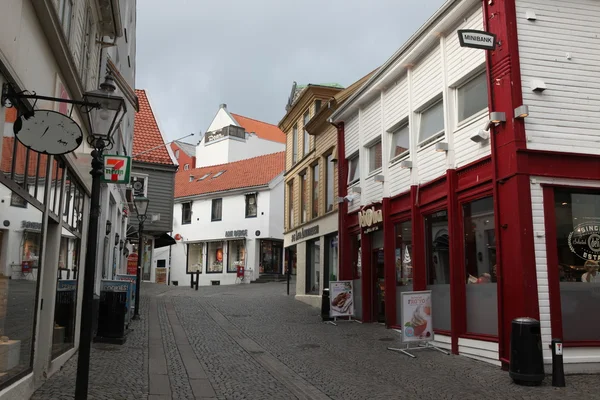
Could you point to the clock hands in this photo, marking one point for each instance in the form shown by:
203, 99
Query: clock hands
45, 132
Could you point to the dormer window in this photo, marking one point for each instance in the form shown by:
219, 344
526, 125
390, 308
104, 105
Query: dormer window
218, 174
203, 177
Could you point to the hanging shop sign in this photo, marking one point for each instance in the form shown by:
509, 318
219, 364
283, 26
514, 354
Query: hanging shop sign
584, 241
48, 132
417, 325
305, 232
341, 298
117, 169
370, 219
237, 233
476, 39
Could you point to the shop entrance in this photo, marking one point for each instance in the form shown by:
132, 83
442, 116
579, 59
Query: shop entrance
271, 257
379, 285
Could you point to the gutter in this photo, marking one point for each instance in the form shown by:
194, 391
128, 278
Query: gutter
229, 192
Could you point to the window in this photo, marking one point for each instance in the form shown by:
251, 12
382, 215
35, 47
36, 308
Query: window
186, 167
432, 123
375, 157
313, 266
303, 197
400, 142
66, 294
203, 177
177, 154
315, 191
87, 47
65, 8
217, 210
353, 169
403, 255
195, 259
215, 257
236, 255
480, 263
306, 136
251, 206
271, 253
290, 204
218, 174
295, 144
331, 243
472, 97
577, 214
329, 175
438, 267
186, 213
317, 106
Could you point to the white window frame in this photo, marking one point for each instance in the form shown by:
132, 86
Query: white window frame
136, 177
191, 212
457, 89
354, 158
404, 124
437, 135
186, 167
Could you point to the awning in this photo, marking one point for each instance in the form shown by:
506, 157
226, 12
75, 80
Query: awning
163, 240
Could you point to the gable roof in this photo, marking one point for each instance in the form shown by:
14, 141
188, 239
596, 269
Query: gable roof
147, 138
188, 148
263, 130
251, 172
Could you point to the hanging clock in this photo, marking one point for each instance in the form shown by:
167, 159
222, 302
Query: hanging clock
48, 132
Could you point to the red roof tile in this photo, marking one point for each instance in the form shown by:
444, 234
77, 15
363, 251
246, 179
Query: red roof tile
251, 172
262, 129
147, 136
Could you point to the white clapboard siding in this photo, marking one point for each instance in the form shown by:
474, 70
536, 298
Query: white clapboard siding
370, 122
561, 48
479, 350
372, 191
351, 135
462, 60
427, 78
395, 106
431, 164
467, 150
399, 179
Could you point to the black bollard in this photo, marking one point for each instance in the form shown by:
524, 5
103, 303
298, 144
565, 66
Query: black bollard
192, 280
197, 279
325, 305
558, 370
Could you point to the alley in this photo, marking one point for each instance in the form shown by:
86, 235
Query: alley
254, 342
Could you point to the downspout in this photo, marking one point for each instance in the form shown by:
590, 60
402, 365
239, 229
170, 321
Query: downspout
345, 269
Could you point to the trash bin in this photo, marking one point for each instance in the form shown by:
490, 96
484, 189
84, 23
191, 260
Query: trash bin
111, 315
175, 283
526, 358
325, 305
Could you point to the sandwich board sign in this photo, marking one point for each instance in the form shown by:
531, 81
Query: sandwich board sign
476, 39
116, 169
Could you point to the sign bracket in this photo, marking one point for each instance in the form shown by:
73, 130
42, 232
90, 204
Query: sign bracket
407, 347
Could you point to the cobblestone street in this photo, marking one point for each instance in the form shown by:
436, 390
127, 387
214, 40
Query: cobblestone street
254, 342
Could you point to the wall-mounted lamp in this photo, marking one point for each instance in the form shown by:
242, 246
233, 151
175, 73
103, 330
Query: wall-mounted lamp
379, 178
121, 245
116, 239
406, 164
481, 136
537, 85
349, 198
522, 111
108, 227
441, 147
356, 189
496, 117
530, 15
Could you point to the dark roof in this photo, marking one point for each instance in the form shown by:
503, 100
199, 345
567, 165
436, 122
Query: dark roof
188, 148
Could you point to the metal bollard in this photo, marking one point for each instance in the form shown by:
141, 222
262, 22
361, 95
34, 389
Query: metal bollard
558, 370
192, 281
197, 279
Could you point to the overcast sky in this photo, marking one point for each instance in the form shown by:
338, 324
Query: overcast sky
193, 55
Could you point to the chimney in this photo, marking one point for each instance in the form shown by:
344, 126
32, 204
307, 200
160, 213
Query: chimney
223, 106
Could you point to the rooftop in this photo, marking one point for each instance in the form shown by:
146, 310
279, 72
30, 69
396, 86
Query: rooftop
188, 148
262, 129
147, 138
251, 172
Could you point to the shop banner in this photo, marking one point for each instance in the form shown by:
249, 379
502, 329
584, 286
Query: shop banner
160, 275
133, 280
66, 285
417, 325
341, 299
118, 286
132, 264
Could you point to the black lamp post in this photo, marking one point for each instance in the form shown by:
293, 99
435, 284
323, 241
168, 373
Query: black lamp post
141, 208
102, 122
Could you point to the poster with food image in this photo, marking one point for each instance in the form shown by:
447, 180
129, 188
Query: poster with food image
341, 298
417, 325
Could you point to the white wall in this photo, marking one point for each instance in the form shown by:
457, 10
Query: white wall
561, 48
277, 209
231, 149
221, 119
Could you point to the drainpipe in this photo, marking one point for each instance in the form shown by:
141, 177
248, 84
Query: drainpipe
344, 263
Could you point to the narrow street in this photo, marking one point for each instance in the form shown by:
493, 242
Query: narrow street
254, 342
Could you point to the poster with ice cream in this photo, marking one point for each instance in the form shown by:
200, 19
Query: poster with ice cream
417, 325
341, 298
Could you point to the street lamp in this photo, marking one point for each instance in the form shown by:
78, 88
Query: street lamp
141, 208
104, 116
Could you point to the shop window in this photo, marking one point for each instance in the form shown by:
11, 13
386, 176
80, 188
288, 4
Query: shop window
216, 210
215, 258
472, 97
400, 142
290, 205
374, 156
148, 244
332, 258
251, 206
315, 191
431, 124
303, 197
403, 262
578, 243
437, 254
480, 264
195, 258
313, 266
306, 136
186, 213
353, 169
329, 188
295, 144
236, 255
270, 257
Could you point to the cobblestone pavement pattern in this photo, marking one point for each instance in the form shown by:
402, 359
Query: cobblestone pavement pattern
254, 342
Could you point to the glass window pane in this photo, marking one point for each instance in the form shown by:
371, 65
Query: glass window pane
41, 174
375, 157
403, 262
306, 136
295, 144
236, 255
437, 246
217, 209
315, 191
291, 222
195, 261
251, 206
303, 197
215, 257
432, 121
353, 169
401, 141
480, 263
313, 266
578, 243
472, 97
329, 184
66, 294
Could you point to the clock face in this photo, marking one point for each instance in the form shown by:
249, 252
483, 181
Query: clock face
49, 132
138, 185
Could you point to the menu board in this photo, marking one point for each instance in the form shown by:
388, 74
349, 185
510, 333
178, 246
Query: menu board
160, 274
417, 325
341, 299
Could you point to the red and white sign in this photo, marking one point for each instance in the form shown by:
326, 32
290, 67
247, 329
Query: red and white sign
132, 261
116, 169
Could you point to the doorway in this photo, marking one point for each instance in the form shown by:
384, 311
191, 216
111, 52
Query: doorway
377, 261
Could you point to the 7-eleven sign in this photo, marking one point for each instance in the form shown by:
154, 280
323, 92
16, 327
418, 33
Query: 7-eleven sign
116, 169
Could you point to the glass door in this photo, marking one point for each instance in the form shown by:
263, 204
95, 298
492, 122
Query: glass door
379, 289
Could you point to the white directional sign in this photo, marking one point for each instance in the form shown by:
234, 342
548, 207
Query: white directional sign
476, 39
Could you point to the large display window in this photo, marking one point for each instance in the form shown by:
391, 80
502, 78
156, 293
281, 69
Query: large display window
195, 258
403, 263
236, 255
437, 256
215, 257
313, 266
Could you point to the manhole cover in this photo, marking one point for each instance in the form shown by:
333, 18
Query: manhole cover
386, 339
105, 347
309, 346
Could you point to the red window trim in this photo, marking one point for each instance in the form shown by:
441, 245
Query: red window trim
585, 343
442, 332
480, 336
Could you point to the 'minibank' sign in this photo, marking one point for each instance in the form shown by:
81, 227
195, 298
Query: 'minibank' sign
476, 39
116, 169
